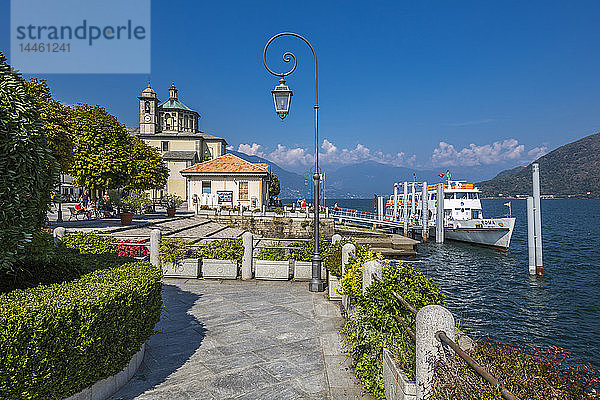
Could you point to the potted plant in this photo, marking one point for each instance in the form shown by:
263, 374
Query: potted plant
172, 202
221, 258
179, 259
302, 260
332, 259
136, 201
272, 264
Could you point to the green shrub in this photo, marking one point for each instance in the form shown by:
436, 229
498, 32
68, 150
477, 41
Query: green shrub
275, 254
174, 250
352, 279
305, 250
90, 242
332, 256
57, 339
224, 249
27, 169
373, 327
45, 263
530, 374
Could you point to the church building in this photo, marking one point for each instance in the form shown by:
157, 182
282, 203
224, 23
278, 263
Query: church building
172, 128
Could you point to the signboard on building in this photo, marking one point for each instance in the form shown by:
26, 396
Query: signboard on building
225, 196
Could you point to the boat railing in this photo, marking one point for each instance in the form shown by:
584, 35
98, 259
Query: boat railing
442, 337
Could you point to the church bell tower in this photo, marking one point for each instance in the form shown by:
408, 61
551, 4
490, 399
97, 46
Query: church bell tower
148, 111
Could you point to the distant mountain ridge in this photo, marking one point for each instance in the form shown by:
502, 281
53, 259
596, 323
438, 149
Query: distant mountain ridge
570, 170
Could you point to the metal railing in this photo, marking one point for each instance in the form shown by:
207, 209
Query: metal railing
442, 337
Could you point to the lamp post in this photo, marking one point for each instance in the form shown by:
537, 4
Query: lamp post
59, 218
282, 97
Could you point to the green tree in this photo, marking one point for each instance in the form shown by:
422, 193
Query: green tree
274, 186
102, 159
148, 169
27, 169
57, 122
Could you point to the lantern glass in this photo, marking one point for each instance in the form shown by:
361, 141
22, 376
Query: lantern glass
282, 97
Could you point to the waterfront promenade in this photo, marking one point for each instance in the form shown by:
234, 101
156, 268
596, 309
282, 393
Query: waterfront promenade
245, 340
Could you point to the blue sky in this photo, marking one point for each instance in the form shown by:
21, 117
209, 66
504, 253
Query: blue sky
420, 83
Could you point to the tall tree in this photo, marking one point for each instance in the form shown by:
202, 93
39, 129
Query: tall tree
102, 159
57, 122
274, 186
148, 169
27, 169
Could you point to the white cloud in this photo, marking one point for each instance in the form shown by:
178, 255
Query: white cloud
254, 150
297, 157
229, 147
502, 151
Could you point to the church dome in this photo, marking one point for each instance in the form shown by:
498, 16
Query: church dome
149, 91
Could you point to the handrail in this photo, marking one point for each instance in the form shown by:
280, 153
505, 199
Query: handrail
409, 331
398, 297
506, 394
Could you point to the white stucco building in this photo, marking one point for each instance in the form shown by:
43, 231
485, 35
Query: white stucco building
230, 180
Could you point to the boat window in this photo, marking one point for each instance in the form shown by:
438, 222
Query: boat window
434, 196
473, 195
461, 195
448, 196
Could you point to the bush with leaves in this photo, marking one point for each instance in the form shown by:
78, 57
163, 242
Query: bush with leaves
373, 327
89, 242
306, 250
273, 254
174, 250
352, 279
224, 249
132, 248
530, 374
27, 169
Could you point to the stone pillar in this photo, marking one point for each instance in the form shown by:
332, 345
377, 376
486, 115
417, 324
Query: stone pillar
336, 238
370, 268
348, 250
248, 241
430, 320
155, 235
58, 234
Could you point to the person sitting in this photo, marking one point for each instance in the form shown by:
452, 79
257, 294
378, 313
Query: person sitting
107, 207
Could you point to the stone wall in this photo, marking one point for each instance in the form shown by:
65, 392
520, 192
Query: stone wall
277, 227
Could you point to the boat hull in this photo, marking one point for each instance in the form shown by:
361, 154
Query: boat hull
494, 232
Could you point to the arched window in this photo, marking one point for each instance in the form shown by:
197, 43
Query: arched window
168, 121
147, 106
187, 122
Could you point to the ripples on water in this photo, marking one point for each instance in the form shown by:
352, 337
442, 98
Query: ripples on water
493, 295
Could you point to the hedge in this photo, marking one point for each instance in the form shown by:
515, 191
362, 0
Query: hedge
90, 242
56, 340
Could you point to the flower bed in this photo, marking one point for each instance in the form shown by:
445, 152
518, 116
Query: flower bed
56, 340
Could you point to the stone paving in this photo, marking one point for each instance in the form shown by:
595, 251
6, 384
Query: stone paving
245, 340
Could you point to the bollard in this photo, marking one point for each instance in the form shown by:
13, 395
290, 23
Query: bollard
155, 235
425, 212
430, 320
370, 268
248, 241
336, 238
348, 250
58, 234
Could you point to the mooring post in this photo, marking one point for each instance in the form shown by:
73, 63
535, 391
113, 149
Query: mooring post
58, 234
405, 208
413, 206
439, 220
537, 214
431, 319
155, 235
248, 242
336, 238
370, 268
425, 212
395, 201
531, 235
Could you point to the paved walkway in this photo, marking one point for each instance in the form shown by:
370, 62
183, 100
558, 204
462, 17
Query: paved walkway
244, 340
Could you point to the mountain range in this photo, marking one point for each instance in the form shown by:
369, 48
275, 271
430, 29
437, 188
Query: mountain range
571, 170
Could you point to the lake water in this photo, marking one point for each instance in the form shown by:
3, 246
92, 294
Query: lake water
493, 295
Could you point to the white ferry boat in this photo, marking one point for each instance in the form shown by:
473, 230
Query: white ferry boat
463, 215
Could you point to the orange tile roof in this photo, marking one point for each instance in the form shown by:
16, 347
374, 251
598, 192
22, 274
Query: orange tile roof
227, 164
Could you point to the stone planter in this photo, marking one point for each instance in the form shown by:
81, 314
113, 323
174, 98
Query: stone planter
397, 385
186, 268
126, 218
219, 269
171, 212
272, 270
335, 287
303, 271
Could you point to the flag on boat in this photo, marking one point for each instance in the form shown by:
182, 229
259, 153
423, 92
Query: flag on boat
507, 204
441, 175
446, 174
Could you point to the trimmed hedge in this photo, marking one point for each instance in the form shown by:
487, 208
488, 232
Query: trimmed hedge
56, 340
90, 242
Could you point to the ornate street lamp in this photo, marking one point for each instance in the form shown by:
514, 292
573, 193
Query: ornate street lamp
282, 96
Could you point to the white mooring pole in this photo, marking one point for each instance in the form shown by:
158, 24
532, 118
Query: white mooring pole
537, 216
395, 201
412, 203
439, 221
405, 208
531, 235
425, 212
